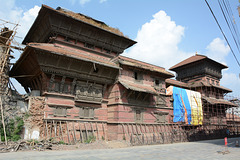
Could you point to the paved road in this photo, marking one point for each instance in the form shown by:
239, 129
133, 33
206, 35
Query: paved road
186, 151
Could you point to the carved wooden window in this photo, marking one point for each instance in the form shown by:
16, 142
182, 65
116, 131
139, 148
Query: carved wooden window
138, 76
161, 118
89, 46
138, 115
86, 112
138, 98
60, 111
89, 92
161, 101
66, 88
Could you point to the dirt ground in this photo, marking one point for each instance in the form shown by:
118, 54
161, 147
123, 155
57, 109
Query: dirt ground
93, 145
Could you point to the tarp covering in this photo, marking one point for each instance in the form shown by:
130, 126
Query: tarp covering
187, 105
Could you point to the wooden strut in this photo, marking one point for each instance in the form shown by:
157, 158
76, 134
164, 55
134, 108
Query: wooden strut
46, 130
81, 134
97, 131
51, 130
104, 133
86, 130
145, 126
92, 129
68, 132
74, 132
61, 130
55, 129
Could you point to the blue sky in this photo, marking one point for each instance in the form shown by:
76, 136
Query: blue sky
166, 31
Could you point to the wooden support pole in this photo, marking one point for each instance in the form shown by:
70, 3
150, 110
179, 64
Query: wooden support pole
92, 129
68, 132
55, 129
81, 134
4, 129
46, 129
86, 130
51, 130
97, 131
61, 130
104, 132
74, 132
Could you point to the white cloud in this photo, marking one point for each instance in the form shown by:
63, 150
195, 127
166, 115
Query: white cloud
232, 81
217, 50
158, 42
82, 2
102, 1
27, 20
10, 12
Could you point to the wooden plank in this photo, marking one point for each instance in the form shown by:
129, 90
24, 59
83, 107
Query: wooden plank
104, 132
74, 132
51, 130
92, 129
61, 130
46, 129
55, 129
124, 132
68, 133
86, 130
81, 134
97, 131
137, 134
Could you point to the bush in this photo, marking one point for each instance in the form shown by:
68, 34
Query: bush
13, 129
90, 139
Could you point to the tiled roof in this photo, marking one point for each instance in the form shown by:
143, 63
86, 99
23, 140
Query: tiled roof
89, 20
204, 83
73, 53
192, 60
195, 84
137, 87
214, 101
143, 65
176, 83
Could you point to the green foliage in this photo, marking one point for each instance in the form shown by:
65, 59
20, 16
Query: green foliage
103, 138
27, 115
90, 139
61, 142
124, 138
13, 129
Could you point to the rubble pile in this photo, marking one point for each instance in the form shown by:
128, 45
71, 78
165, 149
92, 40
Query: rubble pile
26, 146
36, 114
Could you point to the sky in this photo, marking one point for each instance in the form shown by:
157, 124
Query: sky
166, 32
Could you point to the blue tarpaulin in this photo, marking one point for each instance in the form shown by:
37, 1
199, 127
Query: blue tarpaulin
180, 95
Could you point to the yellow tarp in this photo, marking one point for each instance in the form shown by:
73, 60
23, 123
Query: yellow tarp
196, 107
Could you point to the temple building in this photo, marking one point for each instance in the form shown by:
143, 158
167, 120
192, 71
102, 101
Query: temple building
80, 87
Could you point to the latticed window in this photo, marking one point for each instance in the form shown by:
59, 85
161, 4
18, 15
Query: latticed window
60, 111
138, 115
86, 112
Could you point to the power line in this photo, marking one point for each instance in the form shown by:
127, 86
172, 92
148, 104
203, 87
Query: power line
228, 24
232, 20
223, 33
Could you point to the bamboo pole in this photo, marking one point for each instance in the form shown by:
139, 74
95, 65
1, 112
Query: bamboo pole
4, 129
